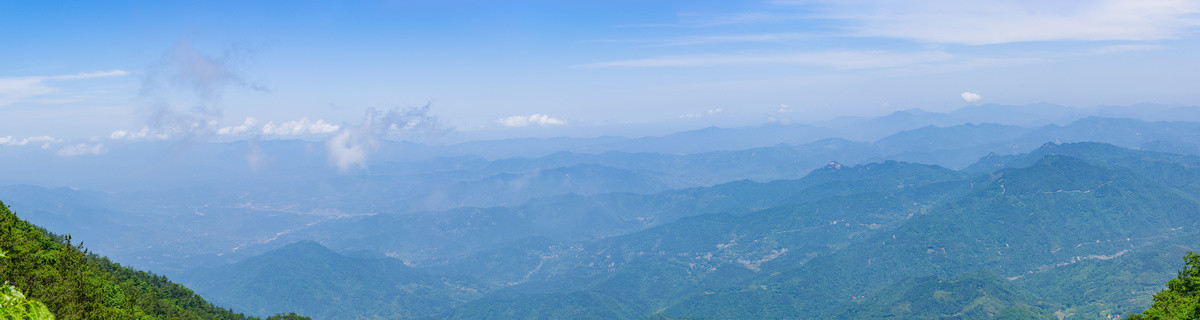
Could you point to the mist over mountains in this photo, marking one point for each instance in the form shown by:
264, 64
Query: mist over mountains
627, 160
989, 211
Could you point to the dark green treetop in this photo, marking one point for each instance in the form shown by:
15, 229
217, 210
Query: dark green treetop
1181, 299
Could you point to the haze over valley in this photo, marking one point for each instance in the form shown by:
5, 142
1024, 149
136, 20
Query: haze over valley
624, 160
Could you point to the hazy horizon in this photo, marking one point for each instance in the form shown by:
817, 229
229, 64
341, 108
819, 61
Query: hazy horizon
629, 160
84, 71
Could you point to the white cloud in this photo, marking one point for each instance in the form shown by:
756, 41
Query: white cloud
247, 125
701, 114
349, 149
91, 75
16, 89
530, 120
296, 128
841, 60
783, 108
44, 140
1000, 21
145, 134
82, 149
970, 96
351, 145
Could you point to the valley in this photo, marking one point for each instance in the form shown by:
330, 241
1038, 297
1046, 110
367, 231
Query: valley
831, 228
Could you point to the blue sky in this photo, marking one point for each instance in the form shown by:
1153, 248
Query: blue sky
74, 71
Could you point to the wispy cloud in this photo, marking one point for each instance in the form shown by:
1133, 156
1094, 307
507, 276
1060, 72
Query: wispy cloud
301, 127
530, 120
247, 126
699, 20
304, 126
350, 147
841, 60
145, 134
183, 91
46, 141
81, 149
710, 112
995, 21
717, 39
17, 89
895, 29
1127, 48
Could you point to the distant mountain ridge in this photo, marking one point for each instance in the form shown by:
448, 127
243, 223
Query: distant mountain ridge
309, 278
876, 241
157, 163
297, 189
1014, 227
585, 217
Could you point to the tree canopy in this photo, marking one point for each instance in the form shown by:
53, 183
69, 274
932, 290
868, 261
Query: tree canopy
45, 274
1181, 299
14, 305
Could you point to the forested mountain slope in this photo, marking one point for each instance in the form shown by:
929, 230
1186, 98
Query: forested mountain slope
437, 237
973, 295
1181, 298
1057, 212
1053, 221
1016, 237
74, 284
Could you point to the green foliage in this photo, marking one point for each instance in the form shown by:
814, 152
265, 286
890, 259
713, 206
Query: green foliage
74, 284
650, 270
1081, 232
288, 316
14, 305
1181, 299
979, 295
1053, 214
1106, 288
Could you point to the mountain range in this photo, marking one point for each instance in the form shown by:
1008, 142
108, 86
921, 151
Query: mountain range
880, 240
1042, 212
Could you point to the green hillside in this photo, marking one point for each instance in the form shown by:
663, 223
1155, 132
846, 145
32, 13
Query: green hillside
1104, 288
1181, 299
653, 269
1071, 231
433, 238
1029, 220
977, 295
74, 284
